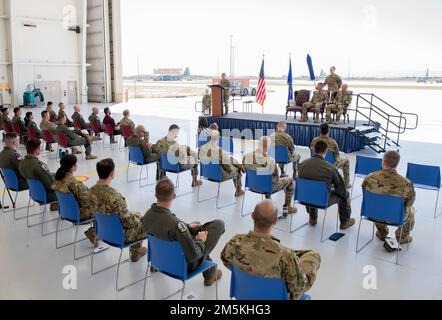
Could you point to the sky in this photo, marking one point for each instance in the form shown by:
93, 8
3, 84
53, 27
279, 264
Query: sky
359, 37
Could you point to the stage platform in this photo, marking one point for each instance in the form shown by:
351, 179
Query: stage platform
302, 133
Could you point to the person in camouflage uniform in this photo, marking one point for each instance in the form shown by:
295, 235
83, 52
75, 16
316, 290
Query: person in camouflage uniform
333, 82
340, 161
79, 118
207, 101
47, 125
281, 138
111, 202
65, 182
126, 121
140, 138
318, 100
62, 113
31, 168
230, 167
341, 101
187, 158
52, 114
389, 182
95, 119
197, 240
260, 161
10, 158
260, 254
4, 118
225, 83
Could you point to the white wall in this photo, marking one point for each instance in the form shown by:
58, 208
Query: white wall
48, 52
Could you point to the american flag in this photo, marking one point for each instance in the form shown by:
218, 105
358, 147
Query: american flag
261, 95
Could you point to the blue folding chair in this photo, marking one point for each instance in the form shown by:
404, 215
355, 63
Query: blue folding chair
425, 177
109, 229
169, 163
136, 158
202, 140
11, 184
69, 211
169, 259
260, 182
212, 172
364, 167
384, 209
244, 286
280, 154
330, 157
37, 193
314, 194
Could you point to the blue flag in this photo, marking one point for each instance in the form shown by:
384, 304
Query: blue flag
290, 81
310, 68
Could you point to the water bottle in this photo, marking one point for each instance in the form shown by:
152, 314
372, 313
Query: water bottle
60, 154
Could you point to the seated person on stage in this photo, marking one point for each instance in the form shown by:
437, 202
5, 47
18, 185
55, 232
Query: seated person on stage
31, 124
79, 118
31, 168
260, 161
207, 101
341, 101
10, 158
260, 254
320, 97
95, 119
62, 113
319, 169
340, 161
281, 138
47, 125
196, 240
16, 120
52, 114
108, 120
65, 182
140, 138
110, 202
187, 158
76, 138
230, 167
389, 182
126, 121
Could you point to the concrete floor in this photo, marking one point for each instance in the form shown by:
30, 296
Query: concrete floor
31, 267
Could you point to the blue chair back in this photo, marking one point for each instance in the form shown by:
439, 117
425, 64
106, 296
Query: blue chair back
109, 229
259, 182
136, 156
244, 286
211, 171
424, 176
311, 192
367, 165
167, 257
330, 157
201, 140
169, 162
68, 207
280, 154
37, 191
11, 180
383, 208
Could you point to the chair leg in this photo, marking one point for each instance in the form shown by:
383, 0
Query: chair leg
242, 205
118, 270
358, 237
182, 290
397, 253
435, 205
145, 280
298, 228
352, 187
323, 225
217, 196
127, 173
56, 233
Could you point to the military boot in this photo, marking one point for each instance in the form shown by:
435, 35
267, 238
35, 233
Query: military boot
215, 277
137, 254
196, 183
349, 223
90, 234
406, 240
53, 206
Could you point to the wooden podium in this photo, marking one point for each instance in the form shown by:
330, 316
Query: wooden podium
217, 100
